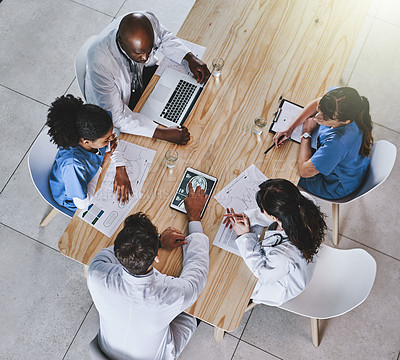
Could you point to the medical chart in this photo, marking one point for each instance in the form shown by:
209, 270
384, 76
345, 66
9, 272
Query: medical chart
240, 195
105, 213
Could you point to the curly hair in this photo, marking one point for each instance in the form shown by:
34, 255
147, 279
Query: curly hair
346, 104
136, 245
70, 120
301, 219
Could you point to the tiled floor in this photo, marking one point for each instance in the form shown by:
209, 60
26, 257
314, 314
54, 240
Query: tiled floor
45, 309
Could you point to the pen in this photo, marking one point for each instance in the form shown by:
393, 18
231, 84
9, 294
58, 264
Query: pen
273, 144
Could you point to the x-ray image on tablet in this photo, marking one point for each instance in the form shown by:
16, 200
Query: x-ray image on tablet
197, 178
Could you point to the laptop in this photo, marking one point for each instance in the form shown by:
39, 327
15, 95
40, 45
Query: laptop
172, 99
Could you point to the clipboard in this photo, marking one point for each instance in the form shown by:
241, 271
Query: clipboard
286, 113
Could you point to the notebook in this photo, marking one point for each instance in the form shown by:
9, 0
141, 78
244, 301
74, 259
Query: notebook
172, 99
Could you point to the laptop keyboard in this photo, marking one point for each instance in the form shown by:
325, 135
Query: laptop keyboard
178, 101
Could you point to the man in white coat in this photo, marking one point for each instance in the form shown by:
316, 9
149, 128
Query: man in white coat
140, 309
120, 64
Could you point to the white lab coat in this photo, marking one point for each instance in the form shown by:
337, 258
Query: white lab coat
282, 271
141, 316
108, 76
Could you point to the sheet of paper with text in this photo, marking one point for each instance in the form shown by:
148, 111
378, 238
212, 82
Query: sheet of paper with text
105, 213
240, 195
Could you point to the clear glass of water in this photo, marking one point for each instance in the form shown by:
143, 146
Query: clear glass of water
217, 65
259, 124
171, 156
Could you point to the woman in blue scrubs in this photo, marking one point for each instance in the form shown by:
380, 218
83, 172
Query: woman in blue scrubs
82, 133
344, 126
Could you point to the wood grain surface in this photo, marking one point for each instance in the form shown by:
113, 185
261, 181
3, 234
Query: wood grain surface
272, 49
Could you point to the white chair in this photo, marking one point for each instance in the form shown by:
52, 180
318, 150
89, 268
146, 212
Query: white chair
334, 293
40, 161
80, 64
95, 351
383, 156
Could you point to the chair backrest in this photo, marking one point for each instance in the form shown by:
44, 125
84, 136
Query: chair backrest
95, 351
342, 280
40, 161
383, 157
80, 64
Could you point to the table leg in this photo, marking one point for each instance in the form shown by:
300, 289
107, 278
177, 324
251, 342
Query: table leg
218, 334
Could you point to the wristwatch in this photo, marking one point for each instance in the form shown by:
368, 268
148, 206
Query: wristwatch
306, 135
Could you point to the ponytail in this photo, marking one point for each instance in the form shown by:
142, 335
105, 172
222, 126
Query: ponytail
345, 103
364, 123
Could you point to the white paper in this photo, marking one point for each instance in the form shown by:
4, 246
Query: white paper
105, 213
196, 50
287, 113
240, 195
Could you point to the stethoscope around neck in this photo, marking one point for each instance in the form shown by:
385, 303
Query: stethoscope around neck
279, 238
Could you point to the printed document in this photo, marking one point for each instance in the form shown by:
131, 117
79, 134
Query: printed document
240, 195
105, 213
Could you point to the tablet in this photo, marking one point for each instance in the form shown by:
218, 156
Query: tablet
197, 178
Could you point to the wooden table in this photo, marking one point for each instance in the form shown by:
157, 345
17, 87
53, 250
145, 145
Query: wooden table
272, 49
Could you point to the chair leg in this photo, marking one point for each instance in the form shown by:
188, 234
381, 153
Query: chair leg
218, 334
315, 331
335, 230
251, 306
53, 212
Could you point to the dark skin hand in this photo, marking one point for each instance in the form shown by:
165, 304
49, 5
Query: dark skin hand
122, 184
198, 68
194, 203
171, 238
173, 134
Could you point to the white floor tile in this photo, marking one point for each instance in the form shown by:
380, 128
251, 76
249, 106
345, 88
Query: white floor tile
44, 299
18, 112
43, 40
203, 346
377, 71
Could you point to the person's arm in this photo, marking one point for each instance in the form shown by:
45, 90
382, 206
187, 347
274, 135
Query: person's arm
91, 189
304, 163
173, 48
308, 111
195, 253
101, 89
270, 268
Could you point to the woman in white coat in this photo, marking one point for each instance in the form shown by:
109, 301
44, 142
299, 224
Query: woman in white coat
278, 240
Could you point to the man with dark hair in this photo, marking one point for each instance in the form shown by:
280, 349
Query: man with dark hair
120, 64
140, 309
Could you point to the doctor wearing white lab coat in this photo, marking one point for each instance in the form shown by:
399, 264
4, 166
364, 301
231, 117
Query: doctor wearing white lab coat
279, 255
111, 68
141, 316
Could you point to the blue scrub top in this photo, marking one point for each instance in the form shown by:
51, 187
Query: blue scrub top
338, 160
72, 170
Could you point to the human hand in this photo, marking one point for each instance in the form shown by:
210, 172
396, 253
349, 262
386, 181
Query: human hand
122, 184
171, 238
194, 203
173, 134
310, 125
198, 68
240, 223
281, 136
107, 155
